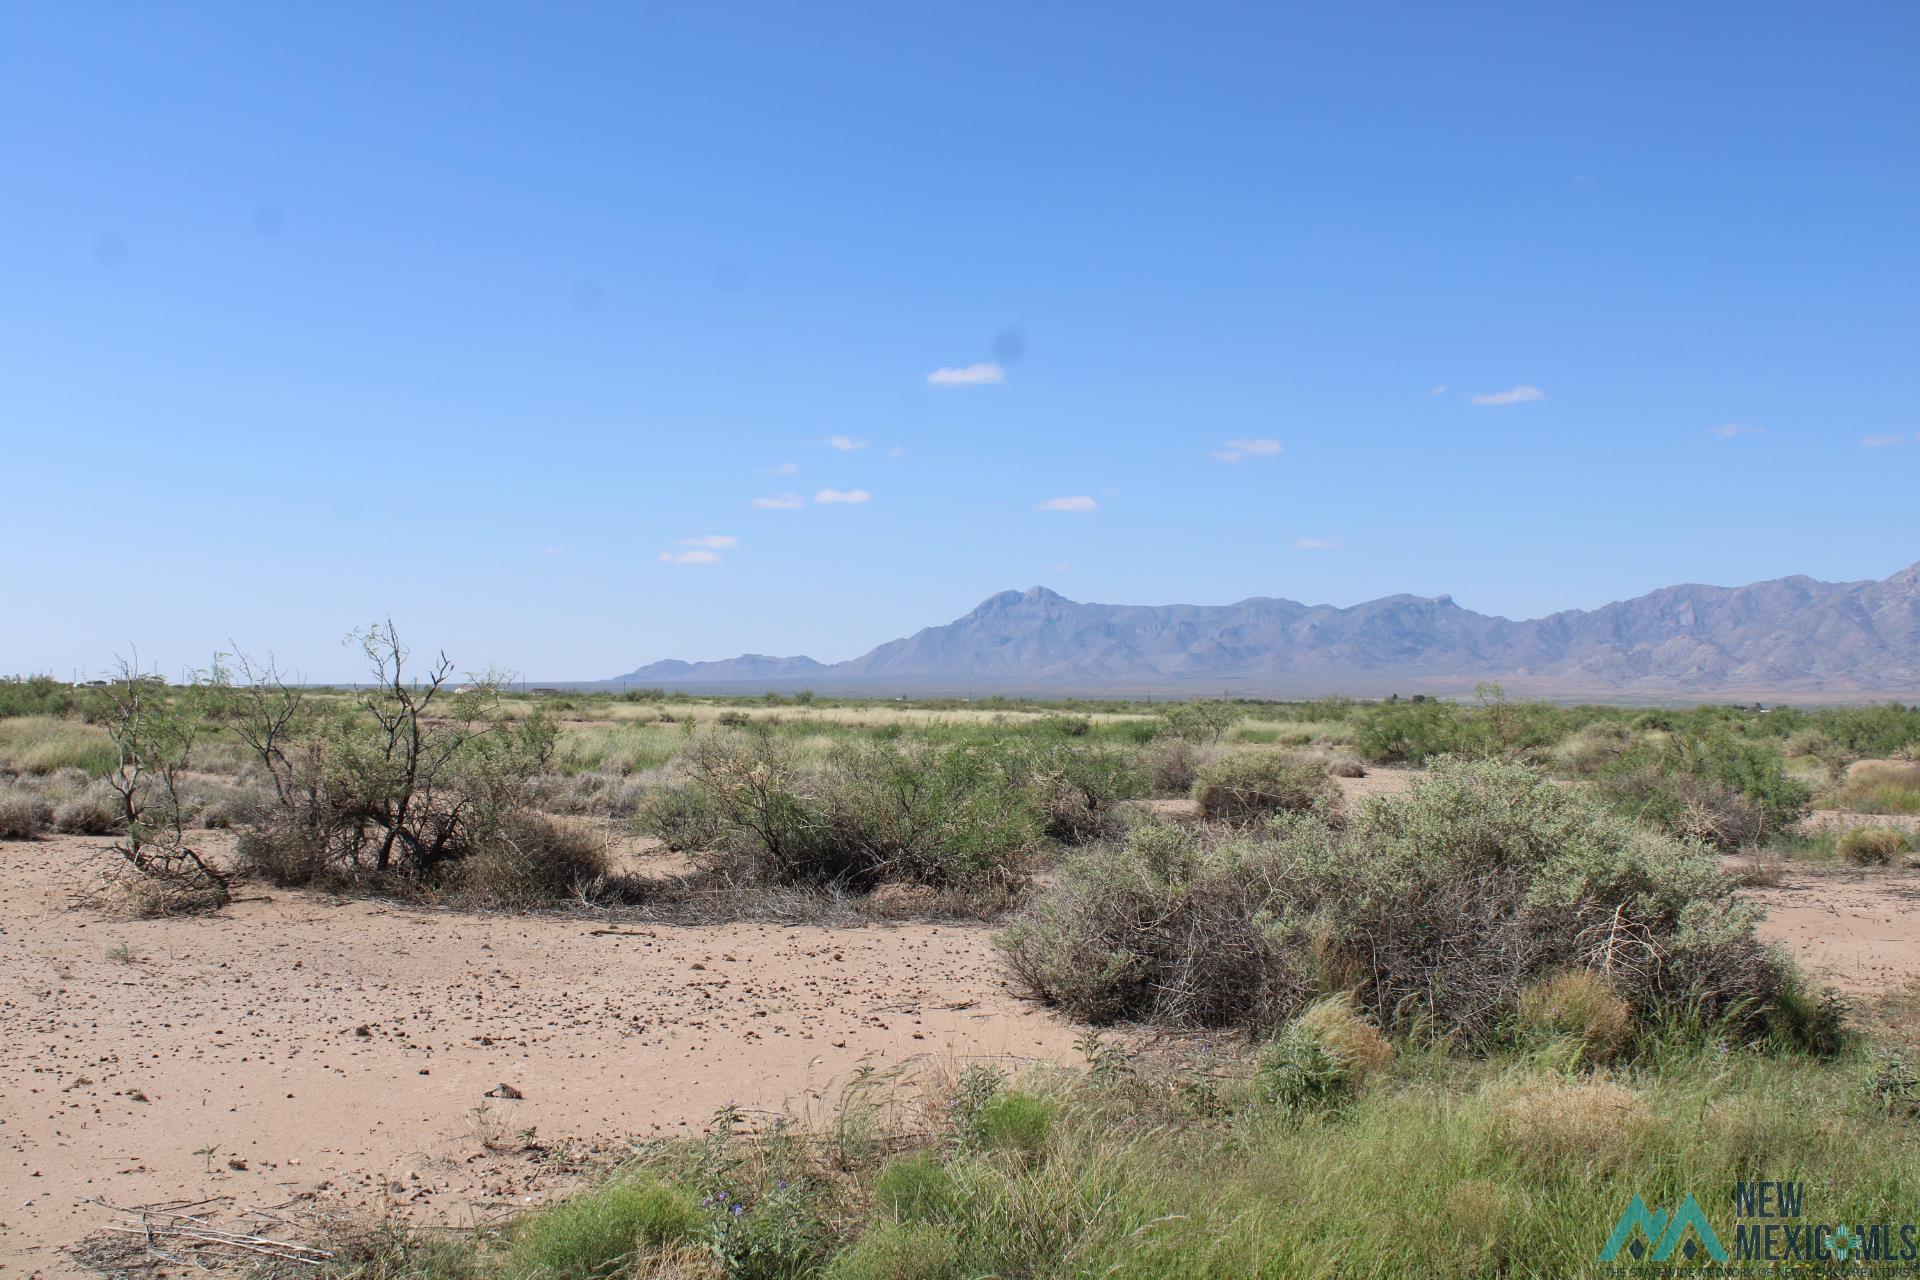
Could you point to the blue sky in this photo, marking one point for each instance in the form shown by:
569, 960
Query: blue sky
489, 316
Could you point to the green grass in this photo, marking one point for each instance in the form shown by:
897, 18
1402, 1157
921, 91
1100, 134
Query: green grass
42, 744
1443, 1168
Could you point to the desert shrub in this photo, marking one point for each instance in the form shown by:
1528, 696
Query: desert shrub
1201, 720
1322, 1057
1078, 790
1436, 909
23, 815
411, 778
37, 696
1717, 788
1873, 846
1169, 927
532, 858
1491, 727
1579, 1008
1594, 749
1243, 788
1346, 767
1170, 764
598, 1233
960, 814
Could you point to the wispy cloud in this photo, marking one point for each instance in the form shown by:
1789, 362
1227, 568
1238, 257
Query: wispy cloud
783, 469
973, 375
712, 541
1883, 442
1734, 430
1078, 502
842, 495
1318, 544
1512, 395
689, 557
1057, 568
896, 451
780, 502
1241, 450
1438, 389
846, 444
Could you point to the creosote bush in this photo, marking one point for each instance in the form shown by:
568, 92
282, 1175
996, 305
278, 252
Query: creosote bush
1436, 910
1255, 785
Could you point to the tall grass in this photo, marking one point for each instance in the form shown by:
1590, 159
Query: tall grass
43, 744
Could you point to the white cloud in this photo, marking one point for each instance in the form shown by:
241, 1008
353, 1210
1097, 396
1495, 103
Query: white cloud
1318, 544
779, 502
1079, 502
1883, 442
1513, 395
973, 375
896, 451
784, 469
1734, 430
1241, 450
842, 495
711, 541
846, 444
689, 557
1439, 389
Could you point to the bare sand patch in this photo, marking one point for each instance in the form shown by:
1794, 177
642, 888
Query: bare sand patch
348, 1057
1858, 929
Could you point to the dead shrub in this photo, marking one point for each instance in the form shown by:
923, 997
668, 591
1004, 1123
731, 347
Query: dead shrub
1346, 767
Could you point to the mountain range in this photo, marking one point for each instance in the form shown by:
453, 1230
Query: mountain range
1786, 636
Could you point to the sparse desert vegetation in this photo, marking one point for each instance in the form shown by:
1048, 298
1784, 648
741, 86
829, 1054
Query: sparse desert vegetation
1468, 972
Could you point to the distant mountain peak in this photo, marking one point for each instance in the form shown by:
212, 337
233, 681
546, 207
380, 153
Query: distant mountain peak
1784, 635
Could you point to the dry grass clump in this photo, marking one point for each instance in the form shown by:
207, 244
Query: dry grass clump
1550, 1122
1582, 1008
534, 859
1254, 785
23, 814
1873, 846
1346, 767
97, 811
1881, 786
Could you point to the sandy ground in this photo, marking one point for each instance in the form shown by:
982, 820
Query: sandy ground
337, 1057
1858, 929
318, 1058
